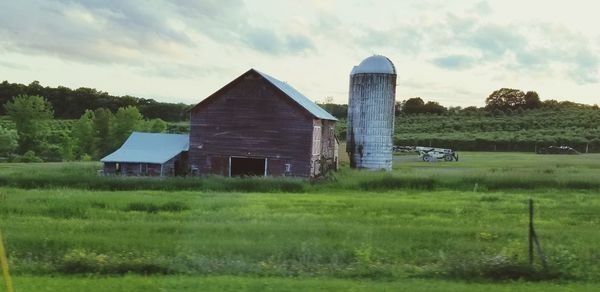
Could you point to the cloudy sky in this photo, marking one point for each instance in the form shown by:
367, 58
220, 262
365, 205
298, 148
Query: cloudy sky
453, 52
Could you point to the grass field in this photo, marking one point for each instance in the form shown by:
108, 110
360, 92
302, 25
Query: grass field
457, 226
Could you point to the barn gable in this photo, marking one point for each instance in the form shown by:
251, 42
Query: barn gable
298, 98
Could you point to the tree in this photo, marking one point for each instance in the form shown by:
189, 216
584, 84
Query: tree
83, 134
433, 107
504, 99
9, 141
157, 126
127, 120
532, 100
103, 119
29, 112
413, 105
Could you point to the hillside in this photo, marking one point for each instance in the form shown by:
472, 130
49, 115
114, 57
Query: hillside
481, 131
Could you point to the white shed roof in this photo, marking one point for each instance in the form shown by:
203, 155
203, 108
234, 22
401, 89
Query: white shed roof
149, 148
375, 64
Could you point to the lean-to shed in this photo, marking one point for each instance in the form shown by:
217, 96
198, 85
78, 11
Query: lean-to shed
149, 154
259, 125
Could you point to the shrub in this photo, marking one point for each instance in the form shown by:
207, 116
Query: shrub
28, 157
154, 208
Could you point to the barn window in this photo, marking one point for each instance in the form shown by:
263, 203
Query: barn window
317, 140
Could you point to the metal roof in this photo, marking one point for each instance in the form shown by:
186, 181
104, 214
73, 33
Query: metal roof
299, 98
149, 148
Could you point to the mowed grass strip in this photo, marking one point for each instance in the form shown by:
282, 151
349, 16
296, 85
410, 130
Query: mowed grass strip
479, 171
342, 234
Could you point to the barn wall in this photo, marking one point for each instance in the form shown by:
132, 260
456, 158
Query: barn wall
250, 118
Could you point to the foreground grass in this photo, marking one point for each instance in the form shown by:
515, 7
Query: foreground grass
442, 234
228, 283
422, 227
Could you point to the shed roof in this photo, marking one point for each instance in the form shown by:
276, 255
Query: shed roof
299, 98
149, 148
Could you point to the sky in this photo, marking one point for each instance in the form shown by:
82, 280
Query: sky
453, 52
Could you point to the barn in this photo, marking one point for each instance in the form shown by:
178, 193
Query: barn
149, 154
258, 125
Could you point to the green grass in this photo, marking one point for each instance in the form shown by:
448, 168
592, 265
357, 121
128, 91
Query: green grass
231, 283
427, 226
483, 171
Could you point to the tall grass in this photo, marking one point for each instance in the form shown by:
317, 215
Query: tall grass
345, 234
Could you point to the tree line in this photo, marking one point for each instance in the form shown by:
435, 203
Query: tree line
37, 136
71, 104
501, 101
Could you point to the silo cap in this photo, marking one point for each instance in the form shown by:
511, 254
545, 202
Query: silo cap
375, 64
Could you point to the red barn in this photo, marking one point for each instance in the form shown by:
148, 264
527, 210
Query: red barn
258, 125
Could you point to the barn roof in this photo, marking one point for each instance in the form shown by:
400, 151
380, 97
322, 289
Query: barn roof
149, 148
299, 98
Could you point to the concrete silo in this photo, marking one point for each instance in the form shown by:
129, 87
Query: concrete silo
371, 114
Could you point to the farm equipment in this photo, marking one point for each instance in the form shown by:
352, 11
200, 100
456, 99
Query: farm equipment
557, 150
429, 154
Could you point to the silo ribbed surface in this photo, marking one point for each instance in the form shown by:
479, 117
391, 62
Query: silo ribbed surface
371, 114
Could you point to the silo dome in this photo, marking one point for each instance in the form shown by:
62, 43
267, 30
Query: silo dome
372, 97
375, 64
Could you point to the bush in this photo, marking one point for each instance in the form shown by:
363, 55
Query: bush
155, 208
28, 157
392, 183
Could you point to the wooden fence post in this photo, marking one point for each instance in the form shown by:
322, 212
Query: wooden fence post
4, 266
533, 239
530, 232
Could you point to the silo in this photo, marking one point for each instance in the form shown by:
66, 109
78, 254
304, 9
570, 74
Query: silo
371, 114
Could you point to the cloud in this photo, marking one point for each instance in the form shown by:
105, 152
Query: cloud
115, 31
455, 62
267, 41
536, 47
12, 65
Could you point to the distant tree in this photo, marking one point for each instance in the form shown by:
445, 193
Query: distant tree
29, 112
157, 126
9, 141
83, 135
532, 100
127, 120
339, 111
413, 105
103, 119
433, 107
71, 104
504, 99
550, 104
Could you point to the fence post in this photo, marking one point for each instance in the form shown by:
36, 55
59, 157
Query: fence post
530, 231
4, 266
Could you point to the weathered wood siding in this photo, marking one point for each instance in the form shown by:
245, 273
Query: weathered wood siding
148, 169
251, 118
